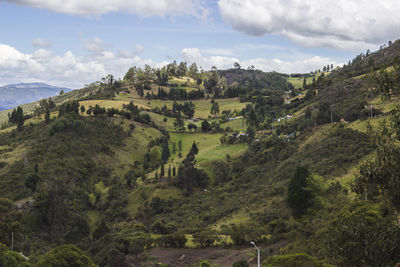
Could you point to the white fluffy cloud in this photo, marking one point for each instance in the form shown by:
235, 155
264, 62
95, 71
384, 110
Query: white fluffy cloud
39, 42
301, 64
62, 70
343, 24
140, 7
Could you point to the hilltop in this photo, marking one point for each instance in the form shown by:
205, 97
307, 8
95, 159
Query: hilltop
136, 170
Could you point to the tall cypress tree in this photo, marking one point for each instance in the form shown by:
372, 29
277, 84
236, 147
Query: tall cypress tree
300, 193
162, 171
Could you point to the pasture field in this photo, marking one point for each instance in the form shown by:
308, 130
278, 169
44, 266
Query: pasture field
209, 145
238, 124
107, 104
297, 82
135, 146
202, 107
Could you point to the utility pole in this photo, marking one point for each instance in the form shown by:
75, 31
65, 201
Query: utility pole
258, 254
371, 109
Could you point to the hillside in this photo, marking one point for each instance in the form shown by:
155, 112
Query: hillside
160, 164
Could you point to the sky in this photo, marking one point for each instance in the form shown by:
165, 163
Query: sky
72, 43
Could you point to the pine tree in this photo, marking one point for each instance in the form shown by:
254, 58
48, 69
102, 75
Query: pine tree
194, 148
47, 115
300, 193
162, 171
169, 172
156, 176
180, 145
174, 171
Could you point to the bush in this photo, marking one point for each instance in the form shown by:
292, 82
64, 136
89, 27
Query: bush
205, 238
173, 241
293, 260
66, 256
3, 164
241, 263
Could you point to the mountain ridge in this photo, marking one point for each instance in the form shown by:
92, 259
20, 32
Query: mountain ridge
17, 94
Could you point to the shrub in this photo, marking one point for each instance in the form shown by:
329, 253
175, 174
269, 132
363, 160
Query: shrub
241, 263
293, 260
65, 256
173, 241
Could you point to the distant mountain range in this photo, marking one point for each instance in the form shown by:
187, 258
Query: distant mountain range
13, 95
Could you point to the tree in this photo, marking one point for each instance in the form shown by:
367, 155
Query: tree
65, 256
173, 148
162, 170
205, 238
363, 233
82, 109
169, 172
174, 171
17, 117
139, 243
199, 80
241, 263
190, 177
214, 109
101, 230
179, 124
131, 178
156, 176
300, 193
304, 83
236, 66
180, 145
62, 92
31, 181
381, 177
192, 126
47, 115
193, 70
182, 69
251, 133
205, 126
295, 260
194, 148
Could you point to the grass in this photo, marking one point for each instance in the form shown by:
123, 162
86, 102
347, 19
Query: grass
236, 125
361, 125
107, 104
297, 82
147, 192
209, 146
135, 146
202, 107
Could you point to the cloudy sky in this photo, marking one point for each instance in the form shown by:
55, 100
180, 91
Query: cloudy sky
71, 43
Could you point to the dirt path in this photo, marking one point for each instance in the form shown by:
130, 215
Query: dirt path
221, 256
186, 257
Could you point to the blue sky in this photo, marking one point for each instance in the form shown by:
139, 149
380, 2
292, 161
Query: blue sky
72, 43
